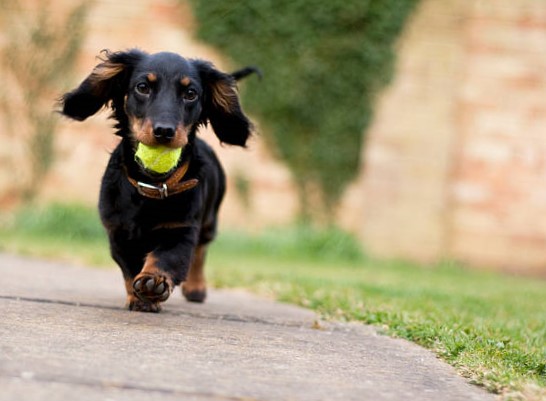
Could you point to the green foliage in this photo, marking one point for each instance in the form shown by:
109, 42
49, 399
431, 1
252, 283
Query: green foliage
301, 241
70, 221
324, 61
39, 51
62, 231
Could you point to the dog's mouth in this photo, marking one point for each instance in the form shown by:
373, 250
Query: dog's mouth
155, 134
157, 147
158, 160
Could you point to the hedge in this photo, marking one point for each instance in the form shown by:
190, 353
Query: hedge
324, 62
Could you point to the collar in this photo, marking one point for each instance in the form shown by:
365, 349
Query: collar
172, 186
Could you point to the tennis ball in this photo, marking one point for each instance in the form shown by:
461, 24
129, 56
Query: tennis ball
158, 159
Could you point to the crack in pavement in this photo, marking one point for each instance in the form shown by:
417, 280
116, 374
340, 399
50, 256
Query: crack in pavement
207, 316
56, 301
118, 385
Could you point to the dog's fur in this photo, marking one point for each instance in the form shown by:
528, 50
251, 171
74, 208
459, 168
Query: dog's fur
161, 99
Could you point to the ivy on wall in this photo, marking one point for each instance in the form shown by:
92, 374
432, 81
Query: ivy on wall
323, 61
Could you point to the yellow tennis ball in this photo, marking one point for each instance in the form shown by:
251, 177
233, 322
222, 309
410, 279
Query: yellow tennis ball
158, 159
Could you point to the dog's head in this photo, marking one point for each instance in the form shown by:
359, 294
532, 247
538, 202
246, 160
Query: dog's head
161, 99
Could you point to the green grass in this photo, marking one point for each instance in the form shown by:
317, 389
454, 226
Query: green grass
68, 232
491, 327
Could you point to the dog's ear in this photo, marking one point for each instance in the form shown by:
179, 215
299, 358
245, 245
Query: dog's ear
221, 106
107, 81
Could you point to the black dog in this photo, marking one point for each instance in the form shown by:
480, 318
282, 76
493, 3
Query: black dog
159, 225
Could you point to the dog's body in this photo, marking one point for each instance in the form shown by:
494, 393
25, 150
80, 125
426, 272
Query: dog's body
159, 225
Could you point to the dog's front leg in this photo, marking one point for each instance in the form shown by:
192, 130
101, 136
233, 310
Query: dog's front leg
164, 267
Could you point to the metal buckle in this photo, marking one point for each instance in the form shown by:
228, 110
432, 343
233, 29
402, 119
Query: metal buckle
162, 190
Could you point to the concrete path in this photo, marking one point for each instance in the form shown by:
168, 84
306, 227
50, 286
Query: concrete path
64, 336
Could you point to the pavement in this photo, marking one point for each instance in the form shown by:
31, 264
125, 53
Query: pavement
64, 335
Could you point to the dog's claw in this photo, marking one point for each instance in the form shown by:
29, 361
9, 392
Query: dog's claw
164, 296
159, 289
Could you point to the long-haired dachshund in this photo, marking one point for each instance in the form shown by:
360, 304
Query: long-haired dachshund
159, 225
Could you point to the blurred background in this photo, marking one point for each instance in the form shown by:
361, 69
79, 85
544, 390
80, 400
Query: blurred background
416, 126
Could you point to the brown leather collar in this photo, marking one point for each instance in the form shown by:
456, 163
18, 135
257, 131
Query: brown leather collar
172, 186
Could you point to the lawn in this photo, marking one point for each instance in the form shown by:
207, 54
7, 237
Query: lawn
491, 327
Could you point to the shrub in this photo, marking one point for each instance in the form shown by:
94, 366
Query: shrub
324, 61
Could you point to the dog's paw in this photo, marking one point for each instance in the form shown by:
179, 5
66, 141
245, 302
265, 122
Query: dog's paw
152, 289
137, 305
193, 292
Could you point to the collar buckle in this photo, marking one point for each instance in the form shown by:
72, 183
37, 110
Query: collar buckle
162, 190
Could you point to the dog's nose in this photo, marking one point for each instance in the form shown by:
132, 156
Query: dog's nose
164, 132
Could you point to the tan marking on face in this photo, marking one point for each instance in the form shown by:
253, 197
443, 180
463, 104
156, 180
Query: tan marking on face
180, 137
185, 81
152, 77
142, 130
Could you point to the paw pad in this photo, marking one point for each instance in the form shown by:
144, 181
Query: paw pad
151, 289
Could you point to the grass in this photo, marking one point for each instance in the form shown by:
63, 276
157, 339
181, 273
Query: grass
491, 327
68, 232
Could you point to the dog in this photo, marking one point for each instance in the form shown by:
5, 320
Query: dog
159, 225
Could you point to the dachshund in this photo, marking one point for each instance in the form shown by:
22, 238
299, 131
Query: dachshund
159, 225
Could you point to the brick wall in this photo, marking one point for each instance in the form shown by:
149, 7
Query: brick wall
456, 159
403, 188
499, 181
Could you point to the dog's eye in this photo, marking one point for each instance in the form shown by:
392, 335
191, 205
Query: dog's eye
143, 88
190, 95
